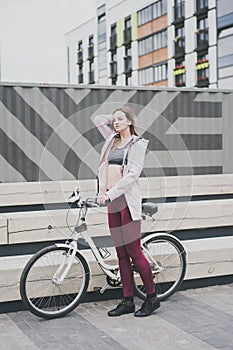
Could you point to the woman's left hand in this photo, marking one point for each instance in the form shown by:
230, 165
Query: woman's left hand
102, 199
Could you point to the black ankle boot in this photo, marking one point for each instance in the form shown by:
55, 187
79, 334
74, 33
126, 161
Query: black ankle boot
147, 308
121, 309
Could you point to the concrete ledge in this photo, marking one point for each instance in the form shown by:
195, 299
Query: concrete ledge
209, 257
28, 193
51, 225
3, 230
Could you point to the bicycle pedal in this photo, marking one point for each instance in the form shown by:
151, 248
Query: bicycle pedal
97, 289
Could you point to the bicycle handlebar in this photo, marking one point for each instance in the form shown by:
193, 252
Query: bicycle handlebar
74, 198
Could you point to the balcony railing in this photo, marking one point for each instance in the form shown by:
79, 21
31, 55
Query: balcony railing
80, 57
91, 77
113, 42
179, 48
202, 82
128, 64
127, 36
202, 39
80, 78
113, 69
90, 52
179, 12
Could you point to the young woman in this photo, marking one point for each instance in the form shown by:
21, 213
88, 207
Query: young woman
121, 163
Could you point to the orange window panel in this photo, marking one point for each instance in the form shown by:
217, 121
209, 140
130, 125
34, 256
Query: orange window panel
159, 23
160, 55
145, 60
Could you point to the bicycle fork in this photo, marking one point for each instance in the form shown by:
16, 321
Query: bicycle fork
65, 265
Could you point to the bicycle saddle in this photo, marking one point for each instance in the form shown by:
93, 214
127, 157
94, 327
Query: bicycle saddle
149, 208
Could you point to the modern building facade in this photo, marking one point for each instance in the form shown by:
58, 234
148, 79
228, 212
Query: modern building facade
157, 42
225, 43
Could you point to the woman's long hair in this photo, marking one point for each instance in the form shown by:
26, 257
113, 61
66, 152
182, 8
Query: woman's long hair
129, 113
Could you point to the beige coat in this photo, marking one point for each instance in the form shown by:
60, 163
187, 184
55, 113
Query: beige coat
129, 184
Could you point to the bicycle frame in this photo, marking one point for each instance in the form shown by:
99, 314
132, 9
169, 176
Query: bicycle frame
110, 270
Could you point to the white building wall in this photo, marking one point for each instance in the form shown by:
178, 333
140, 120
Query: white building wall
190, 24
213, 45
118, 9
170, 43
71, 39
134, 46
190, 44
120, 65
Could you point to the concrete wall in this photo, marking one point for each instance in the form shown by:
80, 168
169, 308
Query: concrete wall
47, 133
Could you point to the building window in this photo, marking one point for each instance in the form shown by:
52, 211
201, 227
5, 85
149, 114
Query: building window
113, 68
127, 31
145, 15
160, 72
80, 74
202, 68
128, 61
202, 34
113, 38
201, 5
146, 76
152, 43
159, 8
155, 10
102, 46
179, 11
179, 41
80, 52
160, 40
145, 45
128, 79
225, 48
180, 73
91, 72
153, 74
91, 48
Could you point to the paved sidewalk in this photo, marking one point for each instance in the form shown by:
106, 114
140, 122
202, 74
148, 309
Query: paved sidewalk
197, 319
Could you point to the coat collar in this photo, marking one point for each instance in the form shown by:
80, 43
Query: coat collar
110, 139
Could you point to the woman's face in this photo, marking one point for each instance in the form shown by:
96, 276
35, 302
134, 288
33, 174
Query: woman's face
120, 121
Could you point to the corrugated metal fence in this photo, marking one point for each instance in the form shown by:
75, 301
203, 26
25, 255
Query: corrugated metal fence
47, 133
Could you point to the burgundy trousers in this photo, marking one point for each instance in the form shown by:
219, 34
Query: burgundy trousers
126, 236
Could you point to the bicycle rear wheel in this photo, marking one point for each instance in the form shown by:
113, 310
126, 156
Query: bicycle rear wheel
167, 258
42, 294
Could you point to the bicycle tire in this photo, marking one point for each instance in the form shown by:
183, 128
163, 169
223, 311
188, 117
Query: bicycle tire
38, 291
170, 256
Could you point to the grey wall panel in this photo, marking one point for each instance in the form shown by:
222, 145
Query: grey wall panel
46, 132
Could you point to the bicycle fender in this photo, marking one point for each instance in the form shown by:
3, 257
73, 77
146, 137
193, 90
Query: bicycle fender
164, 235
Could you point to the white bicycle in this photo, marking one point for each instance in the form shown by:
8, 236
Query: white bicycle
55, 279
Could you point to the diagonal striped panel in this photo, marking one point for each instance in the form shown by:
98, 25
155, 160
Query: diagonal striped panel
9, 172
18, 160
48, 131
67, 133
29, 145
184, 106
33, 122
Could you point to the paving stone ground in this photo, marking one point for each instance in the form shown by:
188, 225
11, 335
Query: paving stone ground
195, 319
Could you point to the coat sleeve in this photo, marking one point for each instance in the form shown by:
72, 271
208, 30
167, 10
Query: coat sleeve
135, 169
102, 123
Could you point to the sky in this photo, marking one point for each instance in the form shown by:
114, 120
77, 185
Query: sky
32, 41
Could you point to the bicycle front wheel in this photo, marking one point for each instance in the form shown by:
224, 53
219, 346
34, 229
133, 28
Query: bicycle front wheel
45, 290
167, 259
